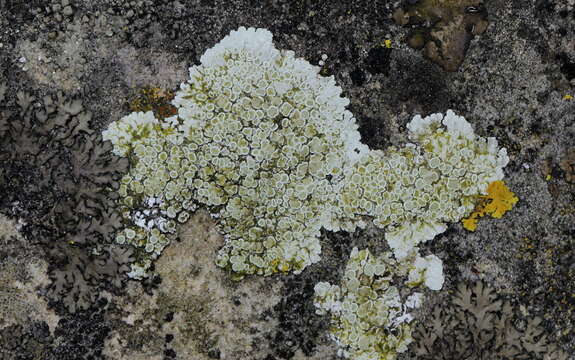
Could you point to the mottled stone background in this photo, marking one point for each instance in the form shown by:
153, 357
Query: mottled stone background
516, 74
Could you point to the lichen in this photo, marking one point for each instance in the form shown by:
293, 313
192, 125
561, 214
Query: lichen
414, 191
58, 178
262, 149
76, 283
369, 316
477, 324
443, 28
496, 203
56, 170
266, 144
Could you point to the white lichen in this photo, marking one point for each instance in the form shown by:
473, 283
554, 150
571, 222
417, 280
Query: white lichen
124, 134
266, 144
369, 318
414, 191
427, 270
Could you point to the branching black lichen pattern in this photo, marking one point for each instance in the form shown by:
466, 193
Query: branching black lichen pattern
76, 283
59, 178
478, 325
56, 170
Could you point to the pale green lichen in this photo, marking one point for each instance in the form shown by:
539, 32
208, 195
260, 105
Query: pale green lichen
267, 145
263, 149
369, 319
414, 191
156, 193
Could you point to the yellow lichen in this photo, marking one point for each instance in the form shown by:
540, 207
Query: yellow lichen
470, 223
502, 199
496, 203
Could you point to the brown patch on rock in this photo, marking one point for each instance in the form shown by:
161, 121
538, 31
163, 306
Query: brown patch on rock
443, 28
154, 99
204, 314
567, 164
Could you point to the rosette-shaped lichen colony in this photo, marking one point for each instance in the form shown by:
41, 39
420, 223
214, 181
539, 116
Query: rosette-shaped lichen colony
260, 138
274, 139
266, 143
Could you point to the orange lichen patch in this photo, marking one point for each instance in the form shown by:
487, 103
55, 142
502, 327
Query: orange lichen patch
502, 199
156, 100
496, 203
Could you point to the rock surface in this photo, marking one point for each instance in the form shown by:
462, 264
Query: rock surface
516, 82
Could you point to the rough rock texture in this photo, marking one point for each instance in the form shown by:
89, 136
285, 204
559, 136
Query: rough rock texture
511, 84
20, 301
197, 311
